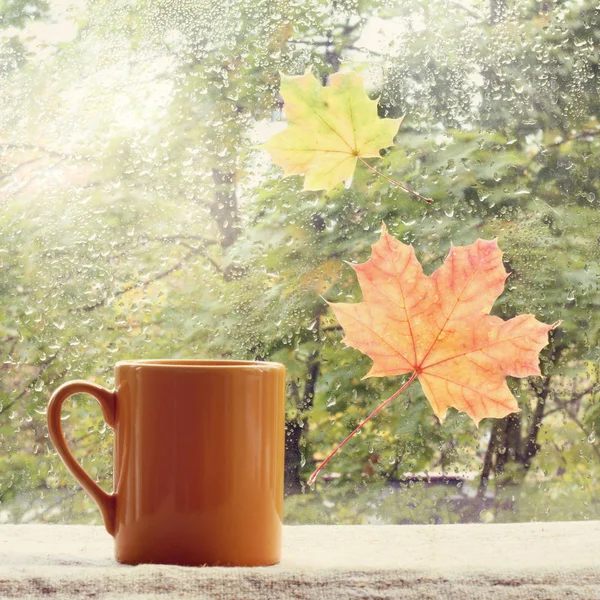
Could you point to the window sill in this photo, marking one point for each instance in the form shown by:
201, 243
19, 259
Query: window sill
516, 561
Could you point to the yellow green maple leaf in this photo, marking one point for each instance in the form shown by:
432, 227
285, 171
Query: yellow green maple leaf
329, 129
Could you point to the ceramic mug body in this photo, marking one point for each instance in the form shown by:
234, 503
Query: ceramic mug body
198, 460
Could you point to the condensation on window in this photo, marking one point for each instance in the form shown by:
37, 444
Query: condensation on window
140, 219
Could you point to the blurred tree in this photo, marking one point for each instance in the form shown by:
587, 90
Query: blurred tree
137, 221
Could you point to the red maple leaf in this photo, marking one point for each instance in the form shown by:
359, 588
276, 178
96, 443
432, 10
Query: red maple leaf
438, 328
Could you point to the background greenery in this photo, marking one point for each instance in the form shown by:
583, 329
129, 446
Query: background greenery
137, 220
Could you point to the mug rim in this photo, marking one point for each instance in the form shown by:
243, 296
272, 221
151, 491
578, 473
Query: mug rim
199, 364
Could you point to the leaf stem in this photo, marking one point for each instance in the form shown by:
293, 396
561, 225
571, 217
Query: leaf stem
313, 477
393, 181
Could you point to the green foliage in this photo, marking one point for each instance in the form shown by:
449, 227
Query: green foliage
136, 221
16, 13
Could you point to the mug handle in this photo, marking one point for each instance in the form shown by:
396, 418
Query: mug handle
107, 400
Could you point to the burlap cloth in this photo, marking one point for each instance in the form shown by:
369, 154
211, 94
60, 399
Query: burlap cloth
518, 561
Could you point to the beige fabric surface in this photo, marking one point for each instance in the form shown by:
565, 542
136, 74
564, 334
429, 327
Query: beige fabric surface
527, 561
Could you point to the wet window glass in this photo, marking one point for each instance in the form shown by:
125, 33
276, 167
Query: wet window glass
139, 218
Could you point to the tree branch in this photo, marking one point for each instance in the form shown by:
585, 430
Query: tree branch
147, 282
19, 166
583, 428
465, 9
43, 368
582, 135
27, 183
48, 151
565, 405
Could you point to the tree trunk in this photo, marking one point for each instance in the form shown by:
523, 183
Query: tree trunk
294, 428
488, 463
531, 445
224, 209
292, 483
506, 444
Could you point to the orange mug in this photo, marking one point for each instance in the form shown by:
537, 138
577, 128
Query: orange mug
198, 460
